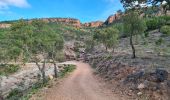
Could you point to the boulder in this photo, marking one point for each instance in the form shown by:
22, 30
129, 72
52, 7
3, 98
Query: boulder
50, 77
161, 75
134, 77
141, 86
139, 93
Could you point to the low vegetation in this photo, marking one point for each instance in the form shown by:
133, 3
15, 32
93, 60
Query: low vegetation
7, 69
20, 94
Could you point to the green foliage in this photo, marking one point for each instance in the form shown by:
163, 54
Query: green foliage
13, 93
6, 69
90, 43
18, 94
119, 26
60, 56
165, 30
19, 40
156, 22
67, 69
107, 36
27, 40
146, 34
133, 24
159, 41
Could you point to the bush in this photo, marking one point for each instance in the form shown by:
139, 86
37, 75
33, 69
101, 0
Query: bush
6, 69
165, 30
14, 94
157, 22
159, 41
67, 69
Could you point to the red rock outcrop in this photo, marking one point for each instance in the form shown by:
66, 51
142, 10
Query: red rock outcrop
93, 24
69, 21
112, 18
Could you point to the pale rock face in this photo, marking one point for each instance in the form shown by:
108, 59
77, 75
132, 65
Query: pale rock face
67, 21
93, 24
5, 25
71, 21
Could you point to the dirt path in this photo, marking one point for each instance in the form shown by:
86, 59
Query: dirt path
80, 85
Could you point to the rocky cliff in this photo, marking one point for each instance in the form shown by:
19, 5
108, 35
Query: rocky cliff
93, 24
69, 21
112, 18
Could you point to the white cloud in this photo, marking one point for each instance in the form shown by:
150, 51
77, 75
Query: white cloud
5, 4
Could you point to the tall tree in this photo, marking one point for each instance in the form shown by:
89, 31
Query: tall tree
54, 49
133, 25
112, 36
46, 43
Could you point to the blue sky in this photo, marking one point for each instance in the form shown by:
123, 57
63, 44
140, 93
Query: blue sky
85, 10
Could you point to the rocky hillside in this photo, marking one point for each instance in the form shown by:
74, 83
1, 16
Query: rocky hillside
71, 21
93, 24
145, 78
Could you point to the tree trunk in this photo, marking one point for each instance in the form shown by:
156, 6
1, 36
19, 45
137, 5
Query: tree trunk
113, 50
43, 76
55, 69
106, 48
43, 72
132, 46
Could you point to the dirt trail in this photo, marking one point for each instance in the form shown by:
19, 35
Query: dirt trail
80, 85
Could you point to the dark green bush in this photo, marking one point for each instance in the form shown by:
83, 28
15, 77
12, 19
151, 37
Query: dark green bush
156, 22
165, 30
159, 41
146, 34
14, 94
152, 24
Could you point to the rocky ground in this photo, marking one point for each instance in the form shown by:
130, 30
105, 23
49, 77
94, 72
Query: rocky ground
24, 78
146, 77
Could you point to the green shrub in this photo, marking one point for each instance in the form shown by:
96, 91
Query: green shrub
67, 69
14, 94
146, 34
18, 94
165, 30
159, 41
157, 22
6, 69
152, 24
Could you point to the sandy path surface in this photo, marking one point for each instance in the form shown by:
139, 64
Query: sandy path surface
80, 85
